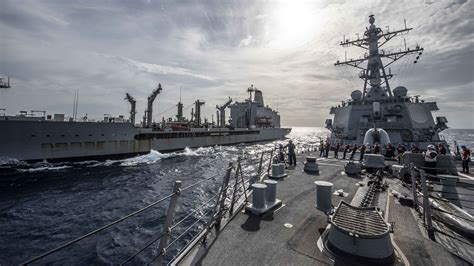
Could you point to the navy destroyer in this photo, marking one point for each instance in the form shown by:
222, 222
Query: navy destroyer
29, 137
406, 119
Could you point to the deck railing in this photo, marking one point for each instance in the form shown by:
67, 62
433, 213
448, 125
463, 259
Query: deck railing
233, 193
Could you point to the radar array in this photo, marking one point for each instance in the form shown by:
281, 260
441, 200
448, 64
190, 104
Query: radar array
374, 73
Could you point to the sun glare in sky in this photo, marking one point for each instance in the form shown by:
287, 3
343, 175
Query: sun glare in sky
293, 23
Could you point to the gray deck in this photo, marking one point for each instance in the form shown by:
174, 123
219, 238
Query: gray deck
248, 240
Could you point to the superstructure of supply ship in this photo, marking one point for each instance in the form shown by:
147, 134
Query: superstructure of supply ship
406, 119
26, 137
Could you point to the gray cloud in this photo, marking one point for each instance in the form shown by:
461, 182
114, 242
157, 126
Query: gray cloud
216, 49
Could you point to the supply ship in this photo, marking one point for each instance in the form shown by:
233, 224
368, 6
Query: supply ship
29, 137
406, 119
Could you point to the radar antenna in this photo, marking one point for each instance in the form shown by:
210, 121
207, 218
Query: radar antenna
4, 84
250, 90
374, 73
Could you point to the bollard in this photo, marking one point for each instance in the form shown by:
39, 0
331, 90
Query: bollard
449, 190
278, 171
311, 166
258, 198
324, 196
264, 199
275, 169
270, 193
281, 169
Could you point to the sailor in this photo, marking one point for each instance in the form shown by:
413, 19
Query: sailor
466, 158
400, 151
291, 153
321, 148
354, 150
281, 153
328, 147
336, 151
376, 148
346, 149
389, 151
368, 148
442, 149
430, 156
362, 151
414, 148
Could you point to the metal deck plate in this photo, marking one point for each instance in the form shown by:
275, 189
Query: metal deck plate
360, 221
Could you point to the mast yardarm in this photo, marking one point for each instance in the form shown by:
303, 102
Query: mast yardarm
374, 73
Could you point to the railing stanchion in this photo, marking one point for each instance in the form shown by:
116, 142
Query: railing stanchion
259, 172
243, 184
413, 186
169, 220
220, 204
237, 172
426, 207
270, 161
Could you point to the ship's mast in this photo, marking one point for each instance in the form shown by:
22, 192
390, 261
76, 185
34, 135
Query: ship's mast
179, 115
374, 73
197, 112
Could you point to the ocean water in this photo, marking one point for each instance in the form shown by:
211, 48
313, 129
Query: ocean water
43, 205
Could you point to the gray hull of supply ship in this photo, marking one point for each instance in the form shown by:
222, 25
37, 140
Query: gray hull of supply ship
406, 119
54, 138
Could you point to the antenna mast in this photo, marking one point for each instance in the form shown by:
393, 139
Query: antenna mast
374, 73
179, 115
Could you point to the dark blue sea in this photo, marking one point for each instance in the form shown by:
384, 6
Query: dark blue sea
44, 205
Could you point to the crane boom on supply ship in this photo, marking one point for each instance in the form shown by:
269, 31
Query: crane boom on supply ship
29, 137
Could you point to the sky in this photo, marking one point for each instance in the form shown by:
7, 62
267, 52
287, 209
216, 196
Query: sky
212, 50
